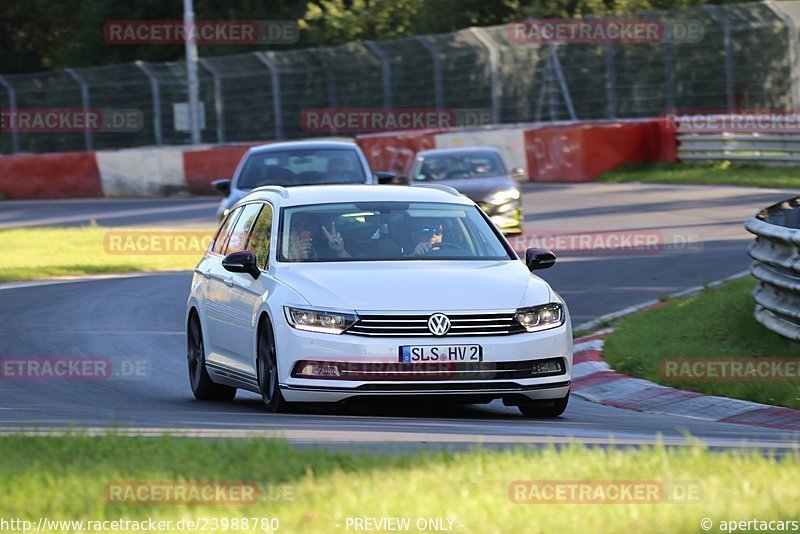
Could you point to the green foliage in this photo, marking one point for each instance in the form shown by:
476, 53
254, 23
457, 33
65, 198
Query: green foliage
65, 478
716, 173
38, 35
718, 323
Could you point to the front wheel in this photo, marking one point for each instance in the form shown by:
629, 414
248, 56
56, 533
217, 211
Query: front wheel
202, 386
548, 408
267, 368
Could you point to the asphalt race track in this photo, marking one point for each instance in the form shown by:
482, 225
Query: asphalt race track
137, 322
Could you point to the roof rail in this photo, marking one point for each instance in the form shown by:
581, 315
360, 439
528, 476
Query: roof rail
440, 187
282, 191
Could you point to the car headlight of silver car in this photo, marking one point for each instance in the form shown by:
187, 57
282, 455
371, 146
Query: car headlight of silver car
321, 321
498, 198
538, 318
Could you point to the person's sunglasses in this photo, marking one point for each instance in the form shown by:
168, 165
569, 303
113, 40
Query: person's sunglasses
427, 230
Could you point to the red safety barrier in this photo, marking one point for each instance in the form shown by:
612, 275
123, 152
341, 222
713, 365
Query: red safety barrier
56, 175
202, 166
580, 153
395, 151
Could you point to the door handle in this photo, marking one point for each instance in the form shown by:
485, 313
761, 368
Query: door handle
229, 281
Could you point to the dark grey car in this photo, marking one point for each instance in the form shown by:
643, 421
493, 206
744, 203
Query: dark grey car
480, 174
295, 163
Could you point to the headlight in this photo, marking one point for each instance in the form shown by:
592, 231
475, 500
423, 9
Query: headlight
501, 197
322, 321
540, 318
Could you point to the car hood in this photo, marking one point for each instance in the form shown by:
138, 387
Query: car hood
427, 285
477, 189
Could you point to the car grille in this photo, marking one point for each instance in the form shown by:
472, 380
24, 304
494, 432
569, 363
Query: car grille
461, 324
447, 371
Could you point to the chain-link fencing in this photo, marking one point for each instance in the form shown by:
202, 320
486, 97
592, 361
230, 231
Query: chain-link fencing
746, 57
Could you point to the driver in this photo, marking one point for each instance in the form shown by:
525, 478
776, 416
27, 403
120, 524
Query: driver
427, 236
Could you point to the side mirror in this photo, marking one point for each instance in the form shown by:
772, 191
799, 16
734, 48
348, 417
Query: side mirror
242, 262
539, 258
518, 175
390, 178
223, 186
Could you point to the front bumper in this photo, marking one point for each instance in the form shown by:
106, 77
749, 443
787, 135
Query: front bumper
498, 352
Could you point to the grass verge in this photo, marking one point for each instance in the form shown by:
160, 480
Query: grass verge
721, 173
68, 478
39, 253
717, 323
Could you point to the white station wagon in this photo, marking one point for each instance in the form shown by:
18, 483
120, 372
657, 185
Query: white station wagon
329, 293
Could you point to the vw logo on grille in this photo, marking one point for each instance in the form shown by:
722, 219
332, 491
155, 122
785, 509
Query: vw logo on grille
439, 324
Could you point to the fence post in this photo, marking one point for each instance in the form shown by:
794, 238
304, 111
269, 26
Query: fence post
669, 74
87, 131
562, 82
611, 80
494, 73
157, 127
719, 16
386, 72
219, 102
277, 107
794, 67
438, 89
545, 88
330, 77
12, 107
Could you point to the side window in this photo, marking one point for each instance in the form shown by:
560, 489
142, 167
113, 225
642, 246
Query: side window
242, 227
224, 231
260, 236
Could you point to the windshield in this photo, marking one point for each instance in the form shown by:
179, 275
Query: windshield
476, 164
302, 167
387, 231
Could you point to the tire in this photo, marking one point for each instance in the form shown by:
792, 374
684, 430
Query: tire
267, 371
549, 408
202, 386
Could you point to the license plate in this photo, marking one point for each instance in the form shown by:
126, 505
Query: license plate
440, 353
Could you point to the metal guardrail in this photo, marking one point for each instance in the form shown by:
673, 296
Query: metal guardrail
776, 266
755, 147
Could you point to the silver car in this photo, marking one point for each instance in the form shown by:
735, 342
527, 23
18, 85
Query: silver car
295, 163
